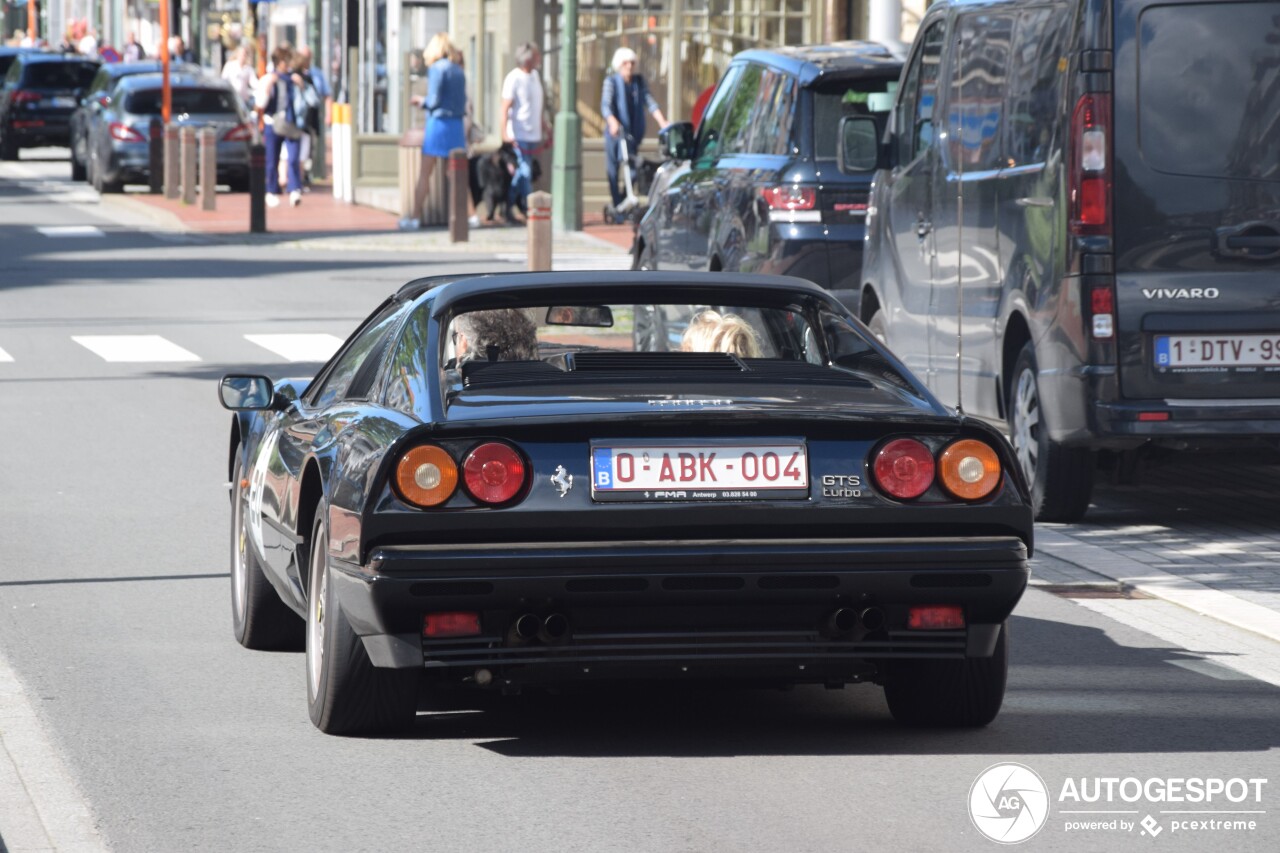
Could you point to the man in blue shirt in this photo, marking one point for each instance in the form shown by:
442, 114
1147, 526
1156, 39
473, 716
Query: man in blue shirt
624, 102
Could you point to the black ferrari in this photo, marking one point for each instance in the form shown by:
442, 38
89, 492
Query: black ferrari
506, 481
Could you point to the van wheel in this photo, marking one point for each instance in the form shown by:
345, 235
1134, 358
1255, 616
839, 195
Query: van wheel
949, 693
1061, 478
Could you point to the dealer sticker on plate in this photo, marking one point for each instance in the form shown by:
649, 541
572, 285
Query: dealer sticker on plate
699, 472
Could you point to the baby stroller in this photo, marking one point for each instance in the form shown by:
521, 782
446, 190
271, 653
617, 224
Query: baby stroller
629, 165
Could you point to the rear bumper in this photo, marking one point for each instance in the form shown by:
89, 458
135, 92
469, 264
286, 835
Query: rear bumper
828, 255
1220, 419
737, 608
34, 131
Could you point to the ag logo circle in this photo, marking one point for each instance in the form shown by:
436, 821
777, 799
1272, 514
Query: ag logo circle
1008, 803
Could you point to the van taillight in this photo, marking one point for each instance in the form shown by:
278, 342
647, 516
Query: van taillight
1102, 307
1090, 178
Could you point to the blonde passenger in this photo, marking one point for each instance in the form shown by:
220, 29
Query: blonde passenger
711, 331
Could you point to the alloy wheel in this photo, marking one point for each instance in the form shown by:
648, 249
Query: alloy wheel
319, 588
1026, 424
239, 565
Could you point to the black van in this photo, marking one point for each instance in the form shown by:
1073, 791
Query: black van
1076, 227
756, 187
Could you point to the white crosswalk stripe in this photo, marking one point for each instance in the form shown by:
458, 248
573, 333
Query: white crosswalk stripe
134, 348
298, 347
70, 231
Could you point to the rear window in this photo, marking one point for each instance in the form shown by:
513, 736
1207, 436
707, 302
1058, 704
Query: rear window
1209, 90
59, 75
835, 99
195, 101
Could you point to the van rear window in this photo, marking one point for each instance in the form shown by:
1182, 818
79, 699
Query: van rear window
1209, 90
835, 99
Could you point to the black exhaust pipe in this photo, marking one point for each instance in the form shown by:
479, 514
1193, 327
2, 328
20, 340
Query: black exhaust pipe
872, 618
525, 628
842, 621
555, 629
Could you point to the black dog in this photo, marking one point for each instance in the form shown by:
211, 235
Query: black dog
490, 178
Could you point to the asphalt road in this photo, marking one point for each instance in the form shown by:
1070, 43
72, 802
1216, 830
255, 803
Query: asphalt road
114, 617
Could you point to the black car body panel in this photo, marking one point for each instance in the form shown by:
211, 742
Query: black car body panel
709, 212
1179, 254
40, 92
729, 583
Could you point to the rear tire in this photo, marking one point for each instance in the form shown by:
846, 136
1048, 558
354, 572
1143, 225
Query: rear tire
949, 693
259, 619
77, 168
8, 151
346, 693
1060, 478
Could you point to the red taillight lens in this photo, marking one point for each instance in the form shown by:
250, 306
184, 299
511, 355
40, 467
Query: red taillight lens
1102, 305
790, 197
1090, 178
239, 133
904, 468
494, 473
124, 133
454, 624
24, 96
938, 618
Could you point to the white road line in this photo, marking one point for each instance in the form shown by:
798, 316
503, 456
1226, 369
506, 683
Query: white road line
41, 806
4, 356
70, 231
300, 347
136, 348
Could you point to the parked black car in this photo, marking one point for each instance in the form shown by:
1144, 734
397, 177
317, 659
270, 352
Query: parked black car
1077, 228
755, 187
40, 92
490, 486
97, 97
9, 53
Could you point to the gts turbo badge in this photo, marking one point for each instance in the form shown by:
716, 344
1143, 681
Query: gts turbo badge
841, 486
1180, 292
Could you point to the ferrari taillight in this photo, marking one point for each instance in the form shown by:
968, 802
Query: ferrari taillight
426, 476
494, 473
903, 468
969, 469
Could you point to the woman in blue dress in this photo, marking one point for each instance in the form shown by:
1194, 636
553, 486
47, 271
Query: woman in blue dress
446, 106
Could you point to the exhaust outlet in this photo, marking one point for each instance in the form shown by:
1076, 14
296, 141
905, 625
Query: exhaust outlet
525, 628
872, 618
555, 629
842, 621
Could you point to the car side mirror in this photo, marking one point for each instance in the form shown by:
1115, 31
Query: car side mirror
247, 393
859, 146
104, 100
676, 141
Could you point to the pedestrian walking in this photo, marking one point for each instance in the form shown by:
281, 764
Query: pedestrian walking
523, 123
133, 51
310, 118
179, 52
238, 71
277, 99
446, 106
624, 101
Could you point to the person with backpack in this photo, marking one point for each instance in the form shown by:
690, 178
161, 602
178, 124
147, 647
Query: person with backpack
279, 99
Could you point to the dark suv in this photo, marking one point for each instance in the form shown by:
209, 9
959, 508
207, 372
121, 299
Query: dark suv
755, 187
1077, 228
40, 92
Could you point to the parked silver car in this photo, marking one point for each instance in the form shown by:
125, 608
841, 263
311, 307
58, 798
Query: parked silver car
118, 142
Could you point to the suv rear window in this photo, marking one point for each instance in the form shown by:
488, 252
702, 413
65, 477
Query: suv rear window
199, 101
835, 99
1209, 90
59, 75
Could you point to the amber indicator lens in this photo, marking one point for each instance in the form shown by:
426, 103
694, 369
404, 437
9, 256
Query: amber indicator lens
969, 469
904, 468
494, 473
426, 476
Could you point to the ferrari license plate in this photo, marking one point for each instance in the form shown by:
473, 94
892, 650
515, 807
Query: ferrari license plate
694, 472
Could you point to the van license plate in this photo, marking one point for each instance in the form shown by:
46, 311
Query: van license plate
639, 472
1217, 351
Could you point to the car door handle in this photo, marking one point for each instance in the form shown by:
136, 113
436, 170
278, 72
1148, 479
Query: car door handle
1034, 201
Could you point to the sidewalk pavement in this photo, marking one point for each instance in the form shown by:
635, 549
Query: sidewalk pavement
323, 222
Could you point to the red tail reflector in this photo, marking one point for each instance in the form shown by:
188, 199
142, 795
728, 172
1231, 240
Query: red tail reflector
124, 133
494, 473
1153, 416
947, 617
452, 624
1102, 305
1090, 172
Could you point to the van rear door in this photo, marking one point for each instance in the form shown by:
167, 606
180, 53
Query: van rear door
1197, 198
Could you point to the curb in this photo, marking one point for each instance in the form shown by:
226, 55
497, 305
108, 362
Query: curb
161, 218
1173, 588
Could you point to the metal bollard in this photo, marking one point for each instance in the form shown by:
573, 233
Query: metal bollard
155, 173
257, 188
539, 231
170, 161
187, 138
208, 168
459, 188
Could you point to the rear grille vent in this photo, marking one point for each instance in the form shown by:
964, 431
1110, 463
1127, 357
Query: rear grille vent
606, 585
581, 362
483, 374
782, 582
693, 583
